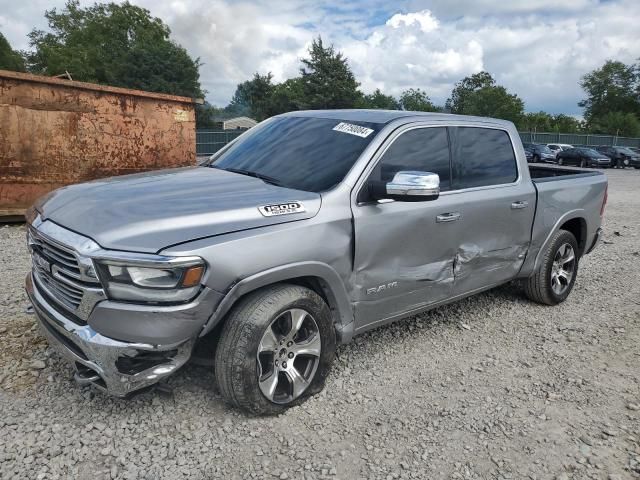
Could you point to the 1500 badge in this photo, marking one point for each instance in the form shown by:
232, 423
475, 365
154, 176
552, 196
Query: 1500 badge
281, 209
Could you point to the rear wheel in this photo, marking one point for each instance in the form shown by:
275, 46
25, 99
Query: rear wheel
553, 281
535, 159
275, 350
560, 161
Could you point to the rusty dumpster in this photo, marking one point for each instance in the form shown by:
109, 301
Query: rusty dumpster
54, 132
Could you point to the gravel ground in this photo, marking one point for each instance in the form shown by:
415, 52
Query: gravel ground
493, 387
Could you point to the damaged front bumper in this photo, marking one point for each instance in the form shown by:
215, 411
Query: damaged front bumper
117, 367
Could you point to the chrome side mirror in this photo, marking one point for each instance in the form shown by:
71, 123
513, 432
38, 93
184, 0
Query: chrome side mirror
407, 186
414, 184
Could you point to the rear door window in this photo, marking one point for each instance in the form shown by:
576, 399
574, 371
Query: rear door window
482, 157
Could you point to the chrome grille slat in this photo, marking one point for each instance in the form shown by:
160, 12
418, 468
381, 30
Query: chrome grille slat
71, 276
73, 264
76, 292
59, 294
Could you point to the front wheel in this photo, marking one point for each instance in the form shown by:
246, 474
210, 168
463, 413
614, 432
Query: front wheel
560, 161
275, 350
583, 163
553, 281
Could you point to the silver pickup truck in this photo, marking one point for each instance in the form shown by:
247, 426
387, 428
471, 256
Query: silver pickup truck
310, 228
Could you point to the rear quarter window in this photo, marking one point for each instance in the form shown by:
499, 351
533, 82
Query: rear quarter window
482, 157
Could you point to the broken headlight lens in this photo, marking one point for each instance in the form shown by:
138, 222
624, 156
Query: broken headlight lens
161, 284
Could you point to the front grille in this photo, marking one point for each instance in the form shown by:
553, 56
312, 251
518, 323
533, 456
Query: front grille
55, 253
58, 270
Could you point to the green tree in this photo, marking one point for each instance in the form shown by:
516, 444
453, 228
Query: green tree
536, 122
617, 123
113, 44
479, 95
545, 122
378, 100
417, 100
466, 87
287, 96
327, 79
615, 87
207, 114
566, 124
9, 58
253, 97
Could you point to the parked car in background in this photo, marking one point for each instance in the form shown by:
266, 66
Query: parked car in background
556, 148
583, 157
540, 153
621, 156
635, 149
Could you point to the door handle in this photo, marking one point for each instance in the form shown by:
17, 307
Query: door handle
519, 204
448, 217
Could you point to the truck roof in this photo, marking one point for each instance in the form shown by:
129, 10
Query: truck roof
387, 116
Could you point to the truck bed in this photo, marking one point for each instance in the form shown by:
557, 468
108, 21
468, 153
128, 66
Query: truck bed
548, 173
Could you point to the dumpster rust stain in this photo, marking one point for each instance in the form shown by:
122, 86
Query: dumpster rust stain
54, 134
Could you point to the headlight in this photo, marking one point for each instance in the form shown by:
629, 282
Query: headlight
166, 281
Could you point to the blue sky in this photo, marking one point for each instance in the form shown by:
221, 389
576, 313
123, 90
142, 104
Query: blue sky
538, 49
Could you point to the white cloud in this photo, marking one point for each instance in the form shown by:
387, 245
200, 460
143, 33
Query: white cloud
536, 48
424, 19
541, 57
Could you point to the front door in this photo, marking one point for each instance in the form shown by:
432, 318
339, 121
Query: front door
404, 251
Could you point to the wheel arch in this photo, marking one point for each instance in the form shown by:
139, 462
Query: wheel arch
573, 222
317, 276
578, 227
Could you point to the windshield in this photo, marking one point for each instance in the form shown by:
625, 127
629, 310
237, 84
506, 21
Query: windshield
304, 153
545, 149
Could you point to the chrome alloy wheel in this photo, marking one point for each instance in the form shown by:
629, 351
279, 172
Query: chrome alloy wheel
563, 268
288, 355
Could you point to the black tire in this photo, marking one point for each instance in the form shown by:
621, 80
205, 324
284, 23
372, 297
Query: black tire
535, 159
236, 361
583, 164
538, 287
560, 161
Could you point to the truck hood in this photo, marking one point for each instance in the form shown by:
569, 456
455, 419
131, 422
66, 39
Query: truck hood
150, 211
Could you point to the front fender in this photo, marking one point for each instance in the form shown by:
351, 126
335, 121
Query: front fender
330, 282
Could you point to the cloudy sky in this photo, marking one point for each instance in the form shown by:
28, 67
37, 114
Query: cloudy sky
538, 49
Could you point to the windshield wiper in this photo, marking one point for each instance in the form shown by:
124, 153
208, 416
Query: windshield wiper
249, 173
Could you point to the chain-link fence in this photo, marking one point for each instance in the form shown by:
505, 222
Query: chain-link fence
210, 141
579, 139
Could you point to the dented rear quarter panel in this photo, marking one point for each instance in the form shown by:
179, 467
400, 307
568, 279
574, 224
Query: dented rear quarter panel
560, 200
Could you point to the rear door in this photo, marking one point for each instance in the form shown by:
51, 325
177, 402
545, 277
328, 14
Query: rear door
496, 206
